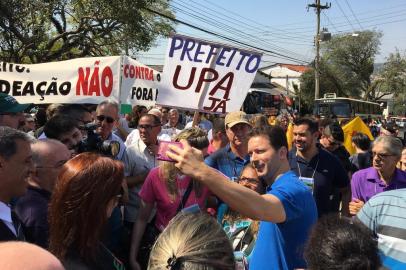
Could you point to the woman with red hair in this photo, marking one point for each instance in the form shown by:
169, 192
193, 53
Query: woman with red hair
88, 188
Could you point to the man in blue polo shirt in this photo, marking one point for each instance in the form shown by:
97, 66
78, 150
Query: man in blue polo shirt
287, 211
232, 158
321, 171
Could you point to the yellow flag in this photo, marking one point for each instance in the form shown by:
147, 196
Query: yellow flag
289, 135
352, 127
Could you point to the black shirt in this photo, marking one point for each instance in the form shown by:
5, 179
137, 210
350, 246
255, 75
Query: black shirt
329, 175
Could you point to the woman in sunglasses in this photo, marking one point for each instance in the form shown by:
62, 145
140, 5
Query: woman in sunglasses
88, 188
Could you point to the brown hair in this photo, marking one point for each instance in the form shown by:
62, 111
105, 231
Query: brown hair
78, 208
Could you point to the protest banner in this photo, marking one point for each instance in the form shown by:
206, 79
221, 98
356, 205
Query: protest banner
355, 125
82, 80
139, 84
206, 76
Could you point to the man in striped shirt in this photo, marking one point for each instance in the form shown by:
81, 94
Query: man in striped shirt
385, 215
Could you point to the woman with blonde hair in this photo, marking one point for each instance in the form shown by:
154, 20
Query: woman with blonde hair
170, 191
193, 241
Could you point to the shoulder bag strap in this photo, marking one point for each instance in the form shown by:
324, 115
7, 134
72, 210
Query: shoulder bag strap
185, 196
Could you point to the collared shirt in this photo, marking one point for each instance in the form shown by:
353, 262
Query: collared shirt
328, 173
114, 137
367, 183
5, 216
385, 216
135, 135
227, 162
137, 160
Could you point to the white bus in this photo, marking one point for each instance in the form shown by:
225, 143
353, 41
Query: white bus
345, 108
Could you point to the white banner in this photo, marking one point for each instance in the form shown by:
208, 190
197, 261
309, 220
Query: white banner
206, 76
82, 80
140, 83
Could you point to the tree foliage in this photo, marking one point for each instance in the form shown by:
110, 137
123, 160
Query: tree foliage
392, 79
35, 31
346, 66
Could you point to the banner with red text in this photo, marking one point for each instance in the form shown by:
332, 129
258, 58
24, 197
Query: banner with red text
206, 76
82, 80
139, 84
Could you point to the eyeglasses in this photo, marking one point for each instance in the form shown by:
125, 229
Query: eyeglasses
147, 127
108, 119
381, 155
248, 179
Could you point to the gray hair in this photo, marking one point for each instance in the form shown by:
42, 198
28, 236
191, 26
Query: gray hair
109, 102
390, 143
8, 138
195, 242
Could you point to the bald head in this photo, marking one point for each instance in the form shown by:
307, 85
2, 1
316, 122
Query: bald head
44, 151
48, 157
25, 256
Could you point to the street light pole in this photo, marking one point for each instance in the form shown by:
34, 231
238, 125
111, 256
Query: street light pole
317, 62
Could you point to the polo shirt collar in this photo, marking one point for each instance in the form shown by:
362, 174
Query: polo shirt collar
232, 155
5, 212
373, 176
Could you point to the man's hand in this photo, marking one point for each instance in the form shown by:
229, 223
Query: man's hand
189, 160
355, 206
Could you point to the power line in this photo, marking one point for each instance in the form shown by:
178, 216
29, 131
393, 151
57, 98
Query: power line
235, 31
352, 12
225, 37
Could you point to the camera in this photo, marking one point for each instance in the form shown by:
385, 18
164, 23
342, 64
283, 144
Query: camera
94, 143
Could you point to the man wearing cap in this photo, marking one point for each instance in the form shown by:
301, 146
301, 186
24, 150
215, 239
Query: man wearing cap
11, 112
232, 158
319, 169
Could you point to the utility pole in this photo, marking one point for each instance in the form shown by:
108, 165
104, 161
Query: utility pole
318, 8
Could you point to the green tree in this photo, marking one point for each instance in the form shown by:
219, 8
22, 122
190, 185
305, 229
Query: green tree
35, 31
346, 66
392, 79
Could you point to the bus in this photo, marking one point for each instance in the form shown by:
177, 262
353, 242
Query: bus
345, 108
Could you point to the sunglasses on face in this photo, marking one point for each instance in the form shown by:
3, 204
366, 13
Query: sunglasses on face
108, 119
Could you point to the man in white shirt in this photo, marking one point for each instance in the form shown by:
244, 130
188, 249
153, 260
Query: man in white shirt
139, 159
15, 167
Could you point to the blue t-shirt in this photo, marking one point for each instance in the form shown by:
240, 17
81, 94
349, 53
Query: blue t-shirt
227, 162
281, 245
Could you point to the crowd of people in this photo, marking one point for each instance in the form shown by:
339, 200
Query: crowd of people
85, 187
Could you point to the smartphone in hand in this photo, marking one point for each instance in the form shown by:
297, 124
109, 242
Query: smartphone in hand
163, 147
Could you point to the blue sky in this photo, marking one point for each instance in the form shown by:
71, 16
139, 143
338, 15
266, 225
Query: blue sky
285, 26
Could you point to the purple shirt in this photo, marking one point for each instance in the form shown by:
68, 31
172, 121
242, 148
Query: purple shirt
366, 183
